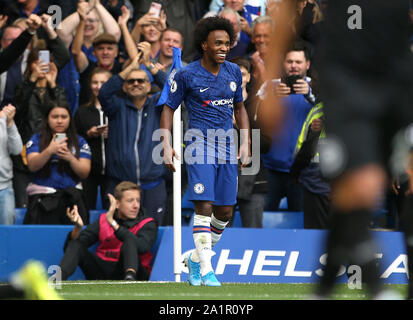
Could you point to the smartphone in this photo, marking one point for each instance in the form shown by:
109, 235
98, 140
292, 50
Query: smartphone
60, 136
290, 81
44, 56
155, 8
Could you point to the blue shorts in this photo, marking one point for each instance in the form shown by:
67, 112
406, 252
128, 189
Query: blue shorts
213, 182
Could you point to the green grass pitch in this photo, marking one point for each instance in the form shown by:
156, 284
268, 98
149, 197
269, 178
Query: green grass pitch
123, 290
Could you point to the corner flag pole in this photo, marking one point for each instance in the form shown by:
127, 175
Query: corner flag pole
177, 205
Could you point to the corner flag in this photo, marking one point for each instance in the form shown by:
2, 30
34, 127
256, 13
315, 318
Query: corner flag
176, 65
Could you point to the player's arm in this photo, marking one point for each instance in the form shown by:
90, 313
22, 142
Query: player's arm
166, 127
241, 118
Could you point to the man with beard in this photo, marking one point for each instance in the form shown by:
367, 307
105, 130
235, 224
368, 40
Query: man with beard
297, 99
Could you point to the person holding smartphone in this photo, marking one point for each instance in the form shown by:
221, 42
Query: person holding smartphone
92, 124
297, 99
60, 159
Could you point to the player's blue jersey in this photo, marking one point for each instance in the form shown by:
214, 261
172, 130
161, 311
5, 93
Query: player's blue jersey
209, 99
57, 179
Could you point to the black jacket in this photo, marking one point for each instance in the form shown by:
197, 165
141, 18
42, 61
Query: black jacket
85, 118
51, 208
145, 239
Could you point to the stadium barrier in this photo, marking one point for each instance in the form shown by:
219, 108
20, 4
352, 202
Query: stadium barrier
242, 255
41, 242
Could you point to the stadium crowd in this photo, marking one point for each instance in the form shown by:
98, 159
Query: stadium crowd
91, 43
81, 81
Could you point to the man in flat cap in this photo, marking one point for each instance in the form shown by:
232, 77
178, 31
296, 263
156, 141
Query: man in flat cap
105, 48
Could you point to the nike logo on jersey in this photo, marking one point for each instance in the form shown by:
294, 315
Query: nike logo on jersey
202, 90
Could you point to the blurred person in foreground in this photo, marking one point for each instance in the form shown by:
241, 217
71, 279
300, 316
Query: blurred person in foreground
365, 78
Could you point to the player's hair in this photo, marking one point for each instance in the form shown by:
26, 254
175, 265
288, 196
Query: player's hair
125, 186
206, 25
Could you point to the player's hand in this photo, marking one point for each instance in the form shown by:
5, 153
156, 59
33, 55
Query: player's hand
168, 155
75, 217
301, 87
244, 154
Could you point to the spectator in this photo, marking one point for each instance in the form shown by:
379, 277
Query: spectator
98, 20
239, 48
262, 28
257, 7
170, 38
132, 120
59, 163
149, 28
105, 48
306, 24
32, 98
24, 8
10, 143
247, 14
125, 237
91, 123
306, 170
17, 47
14, 75
114, 7
251, 188
296, 101
181, 14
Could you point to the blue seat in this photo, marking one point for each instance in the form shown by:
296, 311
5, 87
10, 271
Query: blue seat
94, 215
19, 215
283, 219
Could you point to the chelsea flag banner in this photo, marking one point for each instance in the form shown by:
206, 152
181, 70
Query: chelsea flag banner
176, 65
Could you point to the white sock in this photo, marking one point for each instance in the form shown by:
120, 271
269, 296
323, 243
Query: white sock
202, 239
217, 228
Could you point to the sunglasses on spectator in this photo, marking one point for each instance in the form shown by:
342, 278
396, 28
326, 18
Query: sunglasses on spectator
132, 81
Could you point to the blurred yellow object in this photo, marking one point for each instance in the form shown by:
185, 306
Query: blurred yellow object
32, 278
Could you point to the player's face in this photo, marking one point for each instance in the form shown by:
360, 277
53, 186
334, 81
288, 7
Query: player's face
261, 37
58, 120
129, 204
137, 85
217, 46
295, 63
